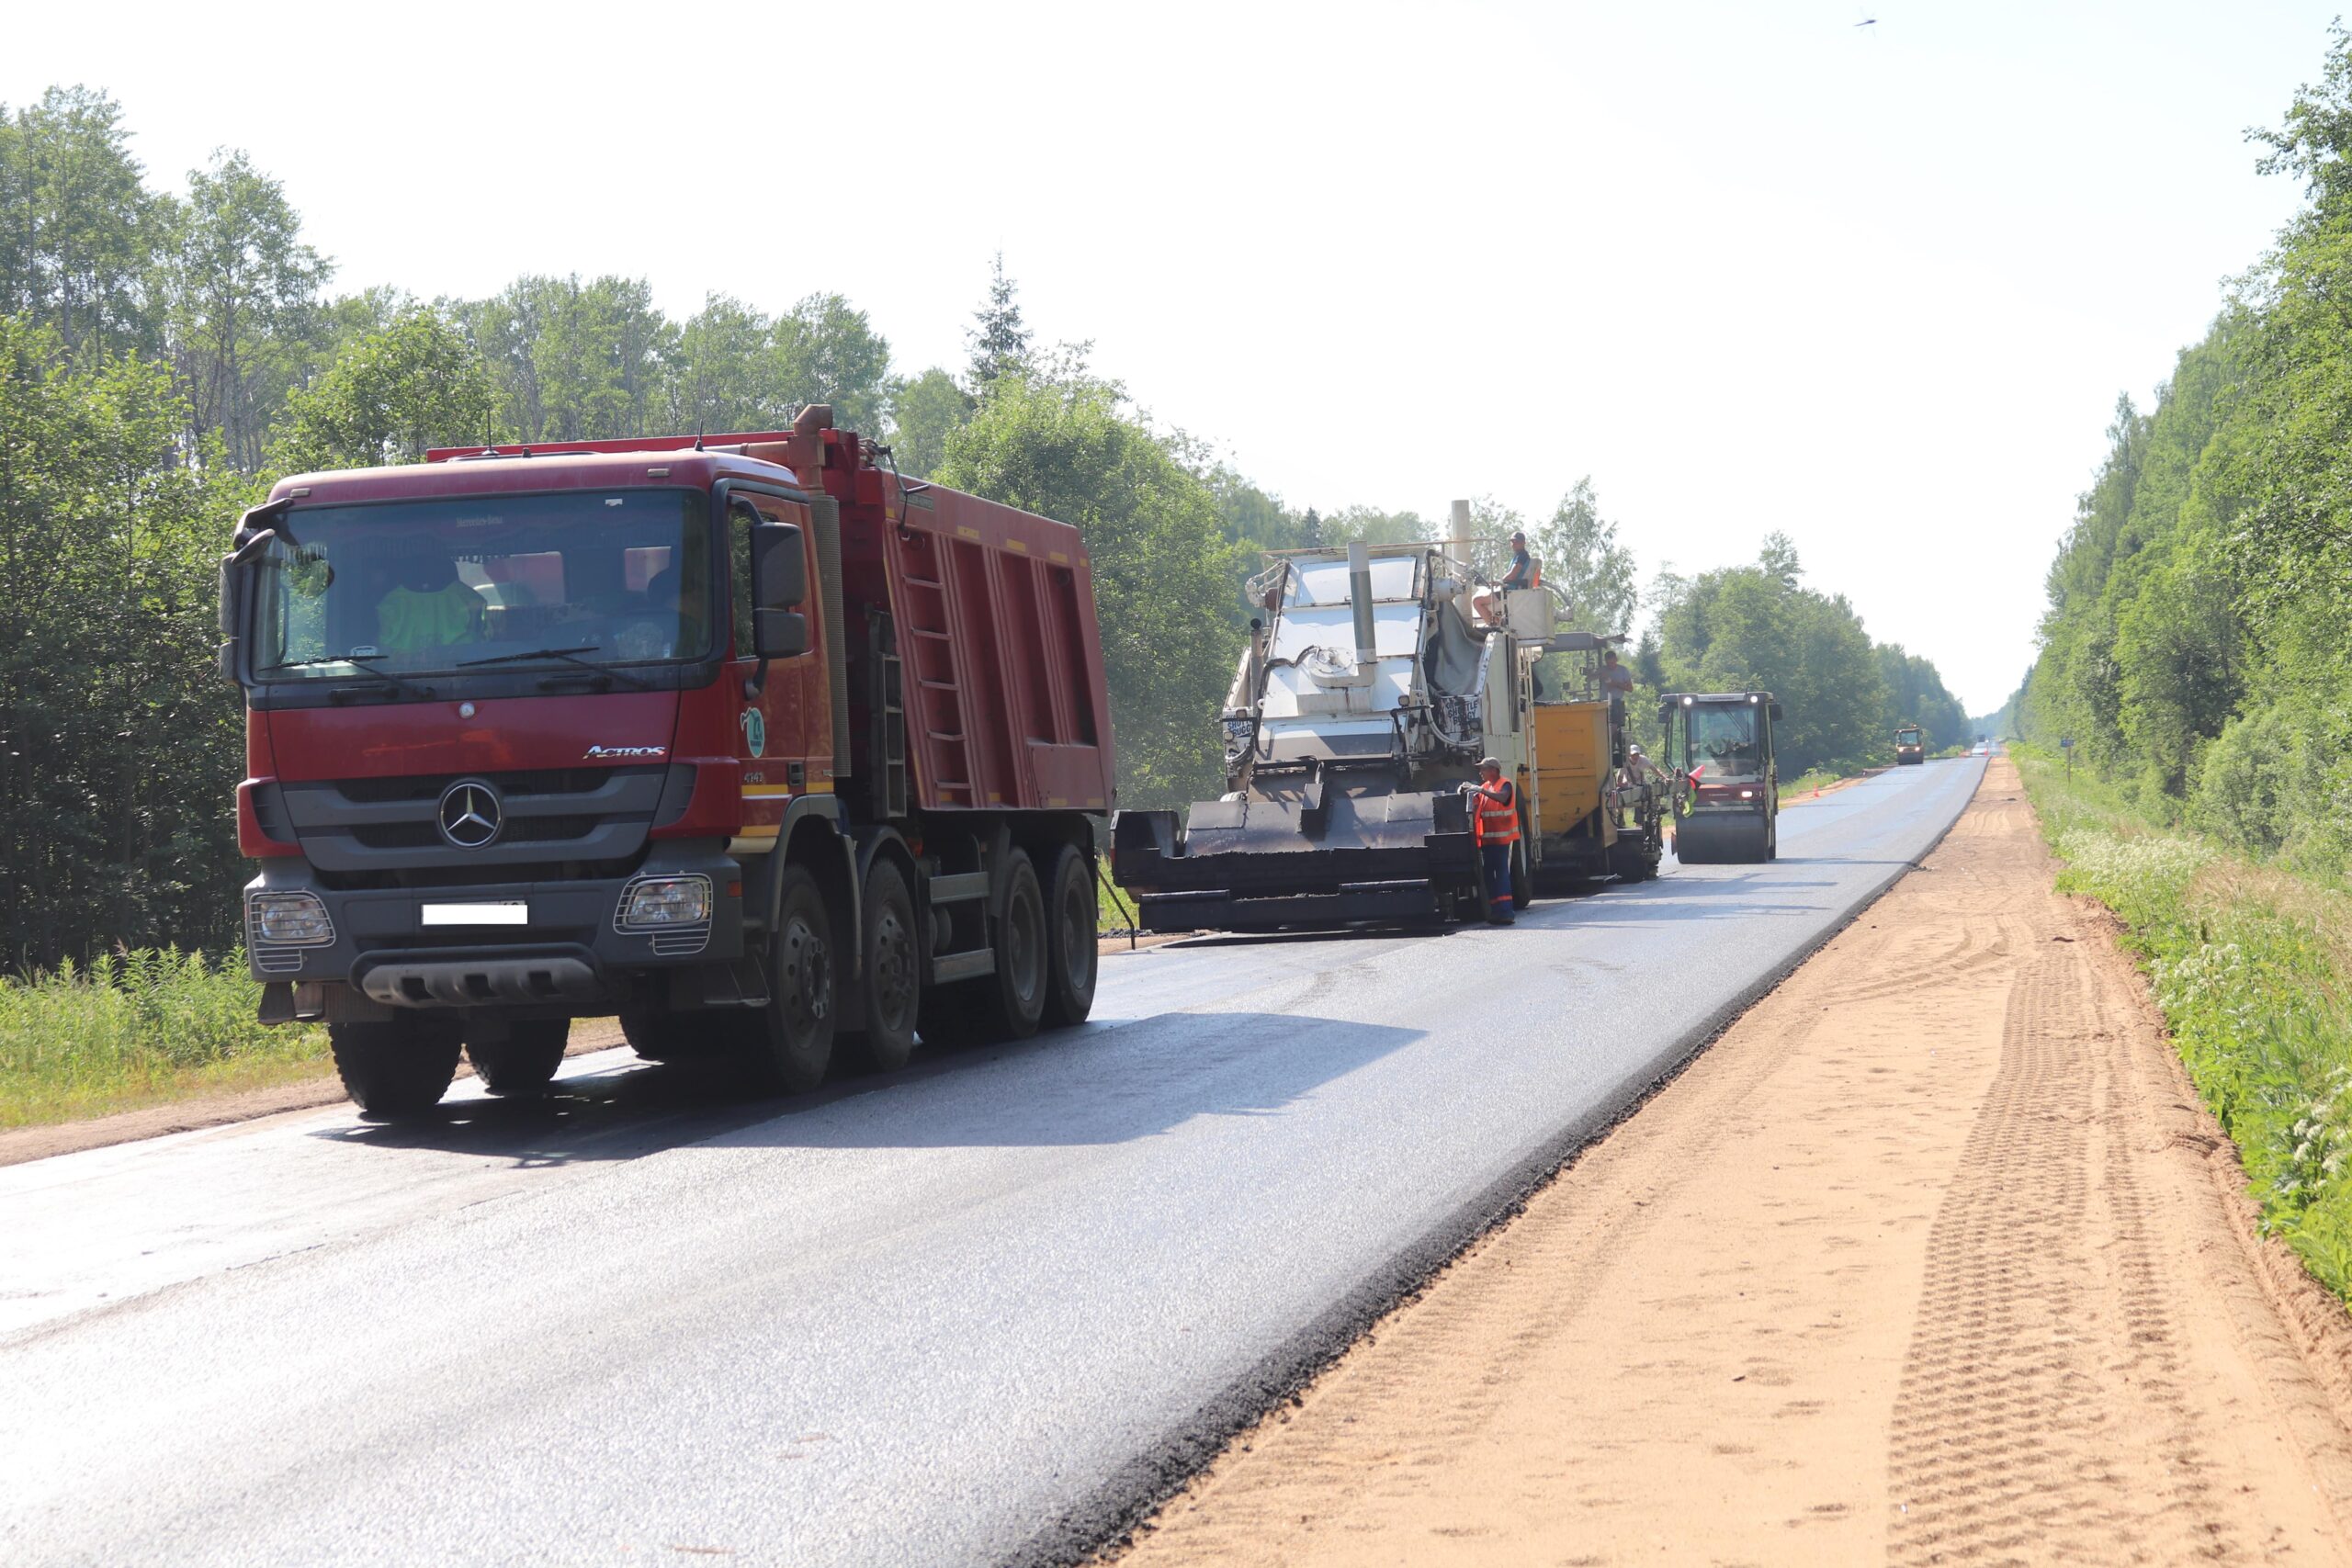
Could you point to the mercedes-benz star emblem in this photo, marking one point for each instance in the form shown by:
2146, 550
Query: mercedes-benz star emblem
469, 814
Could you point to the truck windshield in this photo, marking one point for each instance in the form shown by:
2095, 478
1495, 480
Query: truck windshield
431, 586
1724, 738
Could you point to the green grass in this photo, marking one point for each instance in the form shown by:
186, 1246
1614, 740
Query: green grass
2253, 969
139, 1029
1113, 906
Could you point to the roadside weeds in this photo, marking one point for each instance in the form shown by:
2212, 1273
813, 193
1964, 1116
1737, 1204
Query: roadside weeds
315, 1086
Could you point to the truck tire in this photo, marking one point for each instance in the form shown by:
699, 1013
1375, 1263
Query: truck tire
396, 1069
1072, 956
790, 1040
1007, 1004
891, 980
526, 1061
660, 1035
1014, 998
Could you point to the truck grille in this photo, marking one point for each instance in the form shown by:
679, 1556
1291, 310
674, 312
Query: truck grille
378, 832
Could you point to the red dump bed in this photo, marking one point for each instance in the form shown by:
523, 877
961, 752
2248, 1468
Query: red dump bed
993, 613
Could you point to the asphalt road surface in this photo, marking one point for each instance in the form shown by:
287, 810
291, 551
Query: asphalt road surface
982, 1311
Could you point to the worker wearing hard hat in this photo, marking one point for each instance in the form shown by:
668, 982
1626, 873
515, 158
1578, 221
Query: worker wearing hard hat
1494, 822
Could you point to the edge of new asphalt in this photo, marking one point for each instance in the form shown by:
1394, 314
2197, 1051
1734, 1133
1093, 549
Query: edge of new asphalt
1107, 1519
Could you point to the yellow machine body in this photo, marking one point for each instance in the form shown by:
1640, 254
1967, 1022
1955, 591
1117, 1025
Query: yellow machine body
1571, 765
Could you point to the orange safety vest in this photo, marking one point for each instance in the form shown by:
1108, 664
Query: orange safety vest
1498, 818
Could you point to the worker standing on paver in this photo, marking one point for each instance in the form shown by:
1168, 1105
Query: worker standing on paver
1494, 821
1616, 684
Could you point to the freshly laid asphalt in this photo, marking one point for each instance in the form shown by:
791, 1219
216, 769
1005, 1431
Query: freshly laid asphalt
982, 1311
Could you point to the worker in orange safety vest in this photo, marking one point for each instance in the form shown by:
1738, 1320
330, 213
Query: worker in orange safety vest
1494, 822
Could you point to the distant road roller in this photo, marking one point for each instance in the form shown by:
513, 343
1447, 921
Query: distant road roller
1728, 789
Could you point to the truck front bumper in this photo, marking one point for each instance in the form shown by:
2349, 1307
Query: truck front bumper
559, 945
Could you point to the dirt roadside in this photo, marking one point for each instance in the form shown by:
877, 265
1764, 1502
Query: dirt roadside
1930, 1259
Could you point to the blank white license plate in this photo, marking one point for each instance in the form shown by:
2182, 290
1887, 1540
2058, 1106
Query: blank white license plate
476, 915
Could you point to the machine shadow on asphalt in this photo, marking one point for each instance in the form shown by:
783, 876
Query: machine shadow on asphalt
1102, 1083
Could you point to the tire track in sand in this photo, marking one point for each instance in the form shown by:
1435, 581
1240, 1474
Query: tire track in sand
1933, 1273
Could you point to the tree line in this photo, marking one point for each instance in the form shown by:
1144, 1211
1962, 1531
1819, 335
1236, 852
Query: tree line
2195, 645
165, 355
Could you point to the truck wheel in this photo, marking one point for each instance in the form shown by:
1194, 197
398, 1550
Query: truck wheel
892, 978
1007, 1004
1015, 994
1522, 884
791, 1039
396, 1069
1771, 838
660, 1035
526, 1061
1073, 955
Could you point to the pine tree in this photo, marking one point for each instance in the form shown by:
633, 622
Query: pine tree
1000, 342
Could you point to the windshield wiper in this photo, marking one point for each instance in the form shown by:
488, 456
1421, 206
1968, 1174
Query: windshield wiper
568, 655
366, 666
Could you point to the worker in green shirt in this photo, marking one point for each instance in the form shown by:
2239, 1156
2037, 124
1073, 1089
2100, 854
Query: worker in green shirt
430, 607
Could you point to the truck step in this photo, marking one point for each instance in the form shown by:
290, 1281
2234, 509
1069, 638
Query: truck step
959, 888
952, 966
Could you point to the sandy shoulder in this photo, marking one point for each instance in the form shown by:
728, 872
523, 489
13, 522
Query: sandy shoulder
1930, 1259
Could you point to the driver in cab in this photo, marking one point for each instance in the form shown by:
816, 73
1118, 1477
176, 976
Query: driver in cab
429, 606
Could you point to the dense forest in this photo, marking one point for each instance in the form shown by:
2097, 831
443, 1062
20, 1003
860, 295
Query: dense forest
164, 355
2196, 644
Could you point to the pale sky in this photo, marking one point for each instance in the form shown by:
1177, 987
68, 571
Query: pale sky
1750, 266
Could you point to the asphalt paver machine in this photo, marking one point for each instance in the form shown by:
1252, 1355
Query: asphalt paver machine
1375, 679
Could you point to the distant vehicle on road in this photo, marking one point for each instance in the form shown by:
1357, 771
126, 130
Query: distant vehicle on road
1910, 746
1981, 749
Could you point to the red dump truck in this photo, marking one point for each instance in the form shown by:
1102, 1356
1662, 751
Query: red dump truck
741, 737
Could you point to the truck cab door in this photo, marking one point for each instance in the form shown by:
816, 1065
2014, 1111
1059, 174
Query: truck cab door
785, 718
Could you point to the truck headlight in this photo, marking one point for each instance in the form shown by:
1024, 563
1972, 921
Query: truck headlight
290, 919
655, 902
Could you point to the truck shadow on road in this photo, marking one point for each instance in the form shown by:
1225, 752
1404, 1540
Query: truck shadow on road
1099, 1084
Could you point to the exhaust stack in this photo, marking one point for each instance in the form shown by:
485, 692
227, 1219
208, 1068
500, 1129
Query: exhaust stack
1359, 600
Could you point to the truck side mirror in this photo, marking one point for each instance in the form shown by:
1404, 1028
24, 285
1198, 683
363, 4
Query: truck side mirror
779, 634
779, 569
1776, 712
236, 581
